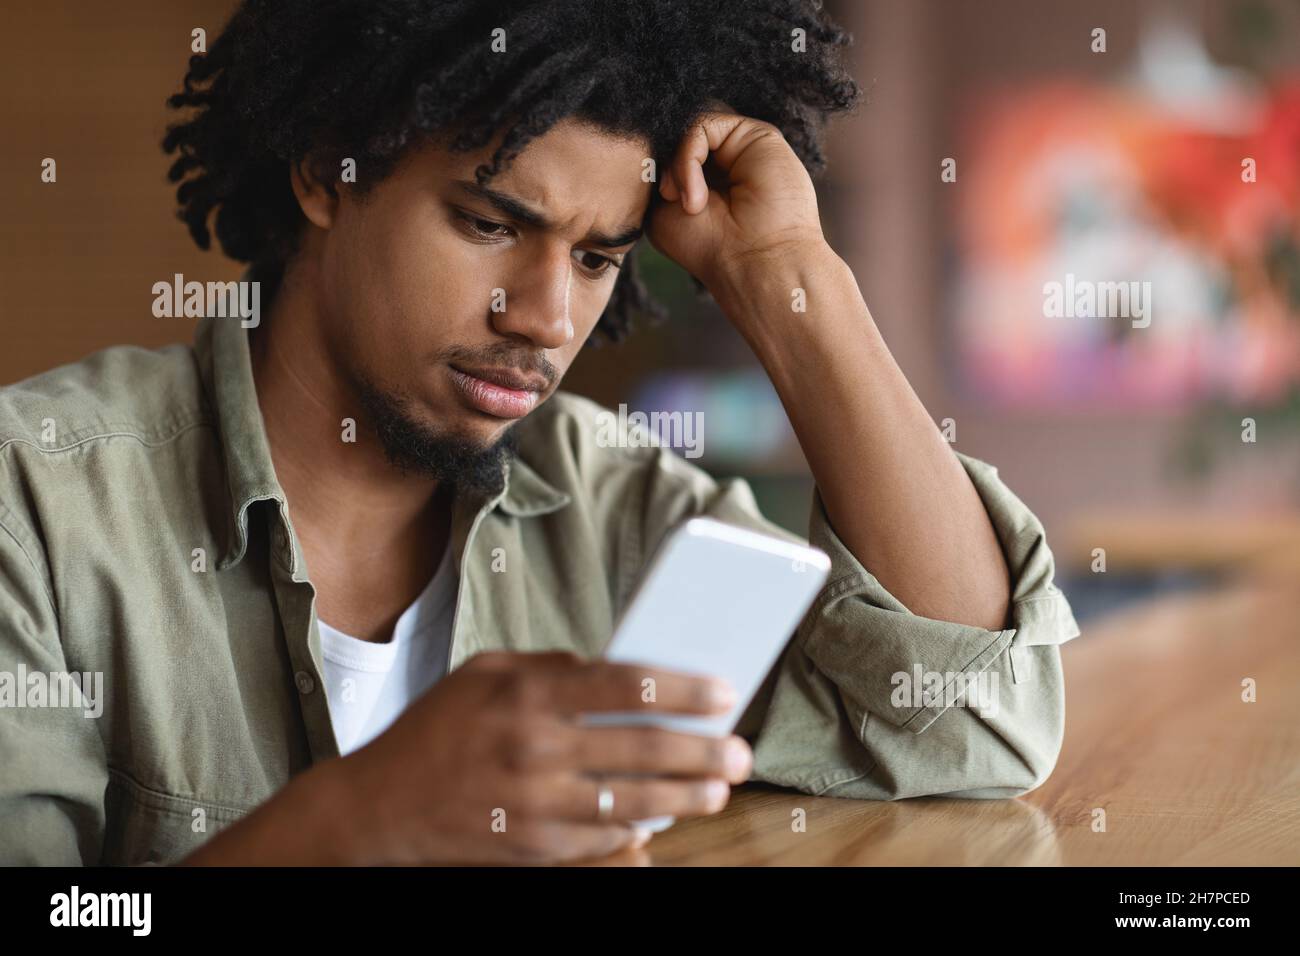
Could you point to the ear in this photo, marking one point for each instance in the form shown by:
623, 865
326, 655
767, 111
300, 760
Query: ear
317, 198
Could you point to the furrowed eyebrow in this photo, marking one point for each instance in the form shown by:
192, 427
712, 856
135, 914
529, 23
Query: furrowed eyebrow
619, 239
521, 212
514, 208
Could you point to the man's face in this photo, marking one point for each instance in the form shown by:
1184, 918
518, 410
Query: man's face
463, 307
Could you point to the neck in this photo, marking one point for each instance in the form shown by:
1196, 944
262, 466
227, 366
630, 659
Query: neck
349, 506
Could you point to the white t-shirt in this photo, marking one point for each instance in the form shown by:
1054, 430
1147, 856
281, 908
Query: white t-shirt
369, 684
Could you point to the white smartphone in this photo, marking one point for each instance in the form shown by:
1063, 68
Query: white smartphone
717, 600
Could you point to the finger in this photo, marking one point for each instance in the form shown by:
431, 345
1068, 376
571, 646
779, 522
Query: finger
711, 133
560, 841
668, 187
641, 798
727, 135
688, 171
608, 686
573, 797
653, 750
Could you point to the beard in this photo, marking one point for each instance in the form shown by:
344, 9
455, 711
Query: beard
416, 448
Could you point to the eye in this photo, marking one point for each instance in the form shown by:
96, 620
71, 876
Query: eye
484, 228
594, 262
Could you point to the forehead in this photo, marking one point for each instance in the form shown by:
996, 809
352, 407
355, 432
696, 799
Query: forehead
576, 173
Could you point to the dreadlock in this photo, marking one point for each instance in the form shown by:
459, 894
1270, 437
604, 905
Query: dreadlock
312, 81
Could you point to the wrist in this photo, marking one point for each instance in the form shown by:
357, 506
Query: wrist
770, 296
333, 814
310, 821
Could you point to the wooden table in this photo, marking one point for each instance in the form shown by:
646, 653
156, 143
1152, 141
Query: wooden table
1156, 734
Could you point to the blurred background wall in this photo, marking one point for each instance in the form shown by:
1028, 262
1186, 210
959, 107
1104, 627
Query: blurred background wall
1159, 478
1122, 163
938, 72
85, 84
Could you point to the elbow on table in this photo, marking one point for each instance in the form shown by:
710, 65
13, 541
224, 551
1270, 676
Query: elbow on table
1009, 751
1022, 742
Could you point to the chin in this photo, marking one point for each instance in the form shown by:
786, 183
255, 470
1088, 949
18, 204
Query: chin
445, 442
481, 434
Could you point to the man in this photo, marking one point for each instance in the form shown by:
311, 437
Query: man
347, 574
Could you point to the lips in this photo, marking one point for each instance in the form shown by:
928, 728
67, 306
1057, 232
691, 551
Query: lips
502, 393
507, 378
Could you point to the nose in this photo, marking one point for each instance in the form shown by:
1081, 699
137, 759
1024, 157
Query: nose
536, 304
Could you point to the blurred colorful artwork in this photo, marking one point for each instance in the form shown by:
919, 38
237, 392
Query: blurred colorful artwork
1070, 186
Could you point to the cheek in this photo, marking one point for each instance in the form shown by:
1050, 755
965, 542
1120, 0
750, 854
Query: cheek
411, 278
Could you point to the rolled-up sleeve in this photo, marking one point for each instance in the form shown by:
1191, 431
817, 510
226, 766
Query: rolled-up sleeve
871, 701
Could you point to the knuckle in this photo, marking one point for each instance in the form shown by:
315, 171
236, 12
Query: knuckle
540, 744
625, 679
516, 745
522, 691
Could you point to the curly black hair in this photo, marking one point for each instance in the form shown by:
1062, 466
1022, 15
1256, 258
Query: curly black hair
311, 81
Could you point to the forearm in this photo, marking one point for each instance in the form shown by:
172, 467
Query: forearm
894, 491
308, 823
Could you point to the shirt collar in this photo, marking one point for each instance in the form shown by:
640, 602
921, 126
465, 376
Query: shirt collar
221, 349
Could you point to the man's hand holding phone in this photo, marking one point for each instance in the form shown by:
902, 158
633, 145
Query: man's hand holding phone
493, 766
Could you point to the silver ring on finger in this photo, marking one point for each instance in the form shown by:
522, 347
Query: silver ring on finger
604, 802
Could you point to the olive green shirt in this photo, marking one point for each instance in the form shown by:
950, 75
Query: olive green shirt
144, 538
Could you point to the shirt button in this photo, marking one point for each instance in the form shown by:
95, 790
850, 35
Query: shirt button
304, 681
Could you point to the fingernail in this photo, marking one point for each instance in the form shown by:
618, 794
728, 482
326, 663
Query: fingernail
737, 760
699, 188
641, 838
722, 695
717, 793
